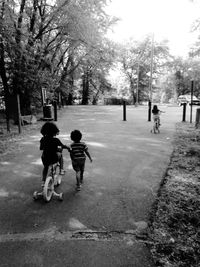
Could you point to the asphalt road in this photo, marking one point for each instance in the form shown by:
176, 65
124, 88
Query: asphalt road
102, 224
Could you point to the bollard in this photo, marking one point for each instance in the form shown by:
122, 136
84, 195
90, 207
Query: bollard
197, 118
184, 111
124, 110
149, 110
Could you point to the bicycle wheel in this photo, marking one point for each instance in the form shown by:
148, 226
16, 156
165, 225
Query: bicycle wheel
154, 128
157, 127
57, 175
48, 189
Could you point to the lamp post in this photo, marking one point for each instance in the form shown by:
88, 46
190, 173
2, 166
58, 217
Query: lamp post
150, 80
137, 88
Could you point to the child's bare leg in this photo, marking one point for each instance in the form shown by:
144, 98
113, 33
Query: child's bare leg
82, 167
78, 180
61, 162
81, 176
44, 173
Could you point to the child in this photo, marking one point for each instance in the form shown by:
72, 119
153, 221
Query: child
78, 152
52, 148
156, 113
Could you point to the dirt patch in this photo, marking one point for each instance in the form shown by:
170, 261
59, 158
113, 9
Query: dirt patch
175, 222
9, 141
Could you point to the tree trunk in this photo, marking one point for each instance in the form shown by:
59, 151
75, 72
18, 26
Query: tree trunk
133, 93
5, 86
3, 71
96, 96
19, 22
71, 78
19, 114
70, 99
85, 93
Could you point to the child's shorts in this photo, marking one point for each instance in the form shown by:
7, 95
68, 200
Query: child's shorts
78, 164
51, 159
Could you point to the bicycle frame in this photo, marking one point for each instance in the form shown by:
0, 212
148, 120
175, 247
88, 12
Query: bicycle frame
156, 126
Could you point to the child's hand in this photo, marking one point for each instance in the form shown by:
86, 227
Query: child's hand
67, 147
91, 160
59, 149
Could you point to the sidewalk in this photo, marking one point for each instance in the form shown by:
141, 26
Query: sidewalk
103, 225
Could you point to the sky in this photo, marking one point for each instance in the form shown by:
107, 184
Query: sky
167, 19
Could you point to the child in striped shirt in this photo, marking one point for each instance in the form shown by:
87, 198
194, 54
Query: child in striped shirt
78, 151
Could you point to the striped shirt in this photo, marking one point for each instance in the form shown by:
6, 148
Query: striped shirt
78, 150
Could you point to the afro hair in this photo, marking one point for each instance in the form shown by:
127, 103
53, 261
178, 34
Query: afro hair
49, 129
76, 136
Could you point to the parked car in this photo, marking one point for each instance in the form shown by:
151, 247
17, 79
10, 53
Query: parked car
187, 99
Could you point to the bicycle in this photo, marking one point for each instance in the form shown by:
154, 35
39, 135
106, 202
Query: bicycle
53, 179
156, 126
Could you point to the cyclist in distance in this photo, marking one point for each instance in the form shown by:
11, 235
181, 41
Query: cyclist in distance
156, 113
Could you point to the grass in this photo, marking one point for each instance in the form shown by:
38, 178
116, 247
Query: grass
175, 220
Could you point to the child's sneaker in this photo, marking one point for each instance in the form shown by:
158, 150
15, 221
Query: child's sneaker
78, 188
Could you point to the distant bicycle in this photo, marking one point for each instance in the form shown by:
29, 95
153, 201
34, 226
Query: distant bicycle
156, 126
54, 178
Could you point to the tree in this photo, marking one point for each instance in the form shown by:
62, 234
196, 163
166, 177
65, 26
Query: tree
95, 68
135, 61
46, 42
180, 74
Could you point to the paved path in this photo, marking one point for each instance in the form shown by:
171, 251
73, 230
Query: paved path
102, 224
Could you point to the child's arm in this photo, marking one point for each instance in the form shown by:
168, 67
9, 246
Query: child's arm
62, 145
66, 147
88, 154
41, 144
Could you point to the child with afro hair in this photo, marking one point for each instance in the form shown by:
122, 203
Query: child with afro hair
51, 147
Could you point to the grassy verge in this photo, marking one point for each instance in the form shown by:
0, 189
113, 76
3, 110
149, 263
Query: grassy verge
175, 222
